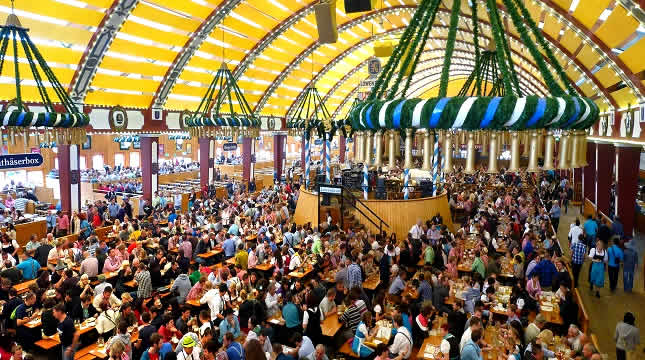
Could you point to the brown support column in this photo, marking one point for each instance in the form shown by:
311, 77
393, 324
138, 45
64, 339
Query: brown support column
149, 165
302, 154
628, 157
69, 178
206, 161
247, 143
589, 174
605, 156
341, 148
278, 155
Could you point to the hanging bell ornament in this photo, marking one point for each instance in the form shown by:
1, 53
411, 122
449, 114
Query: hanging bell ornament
515, 152
447, 154
583, 152
549, 147
408, 149
470, 154
533, 157
564, 151
574, 157
492, 153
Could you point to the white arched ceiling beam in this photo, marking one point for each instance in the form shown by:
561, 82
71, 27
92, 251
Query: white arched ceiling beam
97, 47
284, 74
311, 48
278, 30
606, 54
186, 53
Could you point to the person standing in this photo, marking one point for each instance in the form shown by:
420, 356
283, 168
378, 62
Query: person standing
627, 337
578, 253
591, 229
598, 256
554, 214
615, 257
66, 331
630, 260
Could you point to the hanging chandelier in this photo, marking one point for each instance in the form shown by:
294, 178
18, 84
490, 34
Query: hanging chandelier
311, 114
491, 100
61, 122
216, 115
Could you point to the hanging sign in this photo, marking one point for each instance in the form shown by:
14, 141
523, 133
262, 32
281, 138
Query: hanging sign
318, 142
373, 66
230, 146
16, 161
368, 83
330, 190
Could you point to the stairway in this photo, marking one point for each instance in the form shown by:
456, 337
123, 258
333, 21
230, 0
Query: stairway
351, 222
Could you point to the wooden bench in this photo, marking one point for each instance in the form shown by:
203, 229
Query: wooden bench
84, 353
102, 232
69, 238
583, 317
23, 287
346, 350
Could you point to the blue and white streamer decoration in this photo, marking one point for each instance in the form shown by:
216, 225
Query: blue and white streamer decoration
328, 162
365, 181
307, 161
435, 166
406, 181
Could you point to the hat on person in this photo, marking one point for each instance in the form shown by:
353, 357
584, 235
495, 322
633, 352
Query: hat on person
188, 342
540, 319
101, 278
60, 266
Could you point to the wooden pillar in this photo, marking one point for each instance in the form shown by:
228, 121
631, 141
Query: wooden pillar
342, 145
206, 161
589, 174
69, 177
149, 165
247, 153
279, 142
605, 156
627, 167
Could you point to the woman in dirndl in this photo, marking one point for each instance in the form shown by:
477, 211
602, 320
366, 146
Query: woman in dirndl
598, 256
362, 333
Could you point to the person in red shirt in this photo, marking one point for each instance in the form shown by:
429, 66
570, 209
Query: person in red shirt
168, 329
96, 218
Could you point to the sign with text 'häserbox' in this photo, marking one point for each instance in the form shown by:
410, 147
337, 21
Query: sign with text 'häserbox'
16, 161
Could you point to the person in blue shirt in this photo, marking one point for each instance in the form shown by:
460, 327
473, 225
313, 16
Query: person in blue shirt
172, 217
29, 267
291, 314
51, 222
234, 350
614, 258
630, 260
234, 229
471, 350
229, 246
229, 324
546, 271
591, 229
617, 228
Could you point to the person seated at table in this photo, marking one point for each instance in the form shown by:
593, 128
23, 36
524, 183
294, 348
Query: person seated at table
107, 295
533, 287
48, 321
28, 266
230, 324
11, 273
328, 306
106, 321
23, 314
168, 331
362, 334
401, 347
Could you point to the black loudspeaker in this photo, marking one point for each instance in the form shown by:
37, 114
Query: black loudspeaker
326, 22
353, 6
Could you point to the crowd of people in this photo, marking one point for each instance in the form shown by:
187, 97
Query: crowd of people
236, 278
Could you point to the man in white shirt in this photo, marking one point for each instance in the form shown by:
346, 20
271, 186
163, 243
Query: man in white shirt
416, 230
475, 323
271, 301
295, 261
574, 232
402, 344
215, 300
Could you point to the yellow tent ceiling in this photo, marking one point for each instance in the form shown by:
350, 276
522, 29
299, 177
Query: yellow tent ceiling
599, 45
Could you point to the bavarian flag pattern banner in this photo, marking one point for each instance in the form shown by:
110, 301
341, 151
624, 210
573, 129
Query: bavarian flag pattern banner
48, 119
477, 113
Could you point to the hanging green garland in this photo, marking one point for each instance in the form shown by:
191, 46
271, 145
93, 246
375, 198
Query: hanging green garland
547, 49
450, 47
475, 25
496, 29
553, 86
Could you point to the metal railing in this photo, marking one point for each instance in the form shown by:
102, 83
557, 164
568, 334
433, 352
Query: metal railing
356, 202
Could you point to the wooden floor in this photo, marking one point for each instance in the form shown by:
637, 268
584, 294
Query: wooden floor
605, 312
